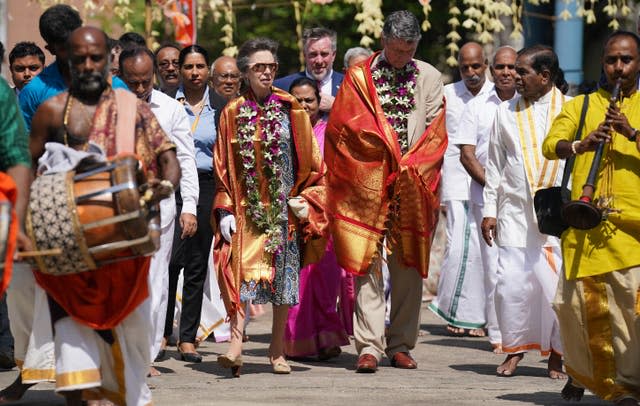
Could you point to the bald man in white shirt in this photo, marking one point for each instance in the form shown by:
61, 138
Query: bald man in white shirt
473, 139
460, 300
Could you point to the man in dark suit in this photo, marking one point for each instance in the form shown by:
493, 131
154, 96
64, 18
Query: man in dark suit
319, 47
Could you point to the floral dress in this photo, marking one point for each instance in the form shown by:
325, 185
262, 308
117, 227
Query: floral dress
284, 288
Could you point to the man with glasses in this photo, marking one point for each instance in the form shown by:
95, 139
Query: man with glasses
225, 77
167, 65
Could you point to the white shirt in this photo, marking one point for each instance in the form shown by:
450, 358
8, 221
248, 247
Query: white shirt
325, 84
175, 123
474, 129
507, 194
455, 179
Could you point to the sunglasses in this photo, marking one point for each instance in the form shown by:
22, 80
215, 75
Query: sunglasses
261, 67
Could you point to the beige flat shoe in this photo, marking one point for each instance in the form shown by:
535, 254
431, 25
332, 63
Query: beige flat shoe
281, 368
229, 361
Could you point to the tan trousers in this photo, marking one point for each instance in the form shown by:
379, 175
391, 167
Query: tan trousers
600, 326
406, 297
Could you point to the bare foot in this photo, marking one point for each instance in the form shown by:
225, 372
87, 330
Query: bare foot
508, 367
15, 391
497, 348
555, 366
456, 331
153, 372
572, 392
477, 332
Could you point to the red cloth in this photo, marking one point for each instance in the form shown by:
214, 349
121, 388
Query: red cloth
101, 298
8, 192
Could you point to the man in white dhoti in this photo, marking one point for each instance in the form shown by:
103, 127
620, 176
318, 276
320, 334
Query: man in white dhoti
460, 299
101, 318
528, 262
473, 139
136, 70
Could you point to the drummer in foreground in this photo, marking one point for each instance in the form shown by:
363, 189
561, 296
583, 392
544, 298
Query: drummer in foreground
102, 350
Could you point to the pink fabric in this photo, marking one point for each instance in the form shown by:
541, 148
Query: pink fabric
314, 323
347, 300
318, 131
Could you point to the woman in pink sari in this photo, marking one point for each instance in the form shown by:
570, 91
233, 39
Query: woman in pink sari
314, 326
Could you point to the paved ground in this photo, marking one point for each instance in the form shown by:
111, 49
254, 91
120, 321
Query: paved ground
452, 371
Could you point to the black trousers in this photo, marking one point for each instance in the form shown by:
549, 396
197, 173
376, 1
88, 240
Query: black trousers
191, 254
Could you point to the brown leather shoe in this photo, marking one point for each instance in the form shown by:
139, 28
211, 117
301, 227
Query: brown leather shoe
403, 360
367, 364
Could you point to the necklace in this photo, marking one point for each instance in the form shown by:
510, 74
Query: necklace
267, 121
396, 92
65, 122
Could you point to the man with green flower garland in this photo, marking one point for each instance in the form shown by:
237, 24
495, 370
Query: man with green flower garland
385, 141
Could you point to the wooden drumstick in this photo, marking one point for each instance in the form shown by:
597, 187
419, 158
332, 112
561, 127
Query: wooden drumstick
42, 253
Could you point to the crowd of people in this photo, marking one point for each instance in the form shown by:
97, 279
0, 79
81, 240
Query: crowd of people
318, 192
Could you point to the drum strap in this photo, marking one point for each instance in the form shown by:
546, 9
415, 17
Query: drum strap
126, 121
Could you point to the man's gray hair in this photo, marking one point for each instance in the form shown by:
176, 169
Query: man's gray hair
355, 51
316, 33
402, 25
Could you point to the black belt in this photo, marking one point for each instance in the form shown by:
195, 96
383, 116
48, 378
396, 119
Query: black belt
205, 174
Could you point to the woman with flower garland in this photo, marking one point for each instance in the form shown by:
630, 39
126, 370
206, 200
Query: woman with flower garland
314, 326
269, 202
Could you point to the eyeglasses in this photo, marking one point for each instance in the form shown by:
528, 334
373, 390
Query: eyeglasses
261, 67
227, 76
165, 64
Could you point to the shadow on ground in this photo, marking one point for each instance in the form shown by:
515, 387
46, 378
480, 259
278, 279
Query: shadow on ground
476, 344
551, 399
490, 369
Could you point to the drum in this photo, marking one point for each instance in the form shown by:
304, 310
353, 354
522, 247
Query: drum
95, 217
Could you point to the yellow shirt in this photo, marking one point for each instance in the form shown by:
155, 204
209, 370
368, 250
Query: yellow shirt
615, 243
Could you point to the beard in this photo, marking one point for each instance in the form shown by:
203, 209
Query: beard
88, 83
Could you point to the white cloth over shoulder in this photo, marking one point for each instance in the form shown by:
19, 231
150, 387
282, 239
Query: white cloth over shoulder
61, 158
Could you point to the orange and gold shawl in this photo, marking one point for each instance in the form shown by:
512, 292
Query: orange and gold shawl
245, 258
373, 190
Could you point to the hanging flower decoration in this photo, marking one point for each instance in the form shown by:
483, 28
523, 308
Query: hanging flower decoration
268, 219
396, 92
479, 17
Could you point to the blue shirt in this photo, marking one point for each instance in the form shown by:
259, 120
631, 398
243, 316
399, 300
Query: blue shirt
203, 128
44, 86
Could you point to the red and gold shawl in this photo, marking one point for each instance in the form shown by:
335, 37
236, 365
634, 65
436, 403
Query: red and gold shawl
373, 190
245, 258
102, 298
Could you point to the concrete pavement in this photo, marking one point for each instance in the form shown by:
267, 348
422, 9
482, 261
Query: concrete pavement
451, 371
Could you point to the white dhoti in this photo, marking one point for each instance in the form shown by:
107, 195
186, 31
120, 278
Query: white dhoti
527, 282
461, 293
30, 323
489, 257
113, 365
213, 314
159, 275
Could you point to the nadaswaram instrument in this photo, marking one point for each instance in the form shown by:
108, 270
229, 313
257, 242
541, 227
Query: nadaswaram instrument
79, 221
584, 213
